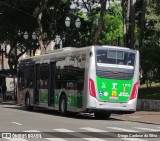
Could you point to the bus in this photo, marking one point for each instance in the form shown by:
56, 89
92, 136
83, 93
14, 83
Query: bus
95, 79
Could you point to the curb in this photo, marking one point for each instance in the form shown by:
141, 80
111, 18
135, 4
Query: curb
148, 105
8, 102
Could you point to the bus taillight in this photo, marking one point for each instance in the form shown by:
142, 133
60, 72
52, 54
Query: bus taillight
134, 91
92, 89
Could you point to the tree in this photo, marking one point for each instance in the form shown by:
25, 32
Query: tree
112, 33
19, 16
128, 7
93, 7
100, 22
50, 17
149, 45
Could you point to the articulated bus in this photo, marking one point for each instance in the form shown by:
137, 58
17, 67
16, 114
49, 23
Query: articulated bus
95, 79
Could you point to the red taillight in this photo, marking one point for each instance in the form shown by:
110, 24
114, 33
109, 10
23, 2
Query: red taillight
92, 88
134, 91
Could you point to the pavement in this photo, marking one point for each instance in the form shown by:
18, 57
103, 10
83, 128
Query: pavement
150, 117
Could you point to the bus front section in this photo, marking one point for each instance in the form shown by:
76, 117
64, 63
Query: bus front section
113, 79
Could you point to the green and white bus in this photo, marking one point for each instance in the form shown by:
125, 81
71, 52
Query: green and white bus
96, 79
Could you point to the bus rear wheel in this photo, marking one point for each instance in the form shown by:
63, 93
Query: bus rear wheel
63, 105
27, 103
102, 115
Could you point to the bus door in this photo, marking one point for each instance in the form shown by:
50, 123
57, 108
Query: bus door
51, 92
36, 84
44, 84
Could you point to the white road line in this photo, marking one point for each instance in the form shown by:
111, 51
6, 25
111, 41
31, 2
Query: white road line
127, 130
31, 131
99, 131
79, 135
63, 130
113, 135
94, 139
50, 139
122, 129
55, 139
93, 129
16, 123
133, 139
147, 129
16, 139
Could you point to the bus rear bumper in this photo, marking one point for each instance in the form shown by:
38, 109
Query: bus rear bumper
128, 107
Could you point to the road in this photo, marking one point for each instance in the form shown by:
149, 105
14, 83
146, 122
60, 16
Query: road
49, 125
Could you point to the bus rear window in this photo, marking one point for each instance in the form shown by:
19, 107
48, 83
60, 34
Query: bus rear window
115, 57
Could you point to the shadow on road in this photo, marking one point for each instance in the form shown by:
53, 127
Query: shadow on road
84, 116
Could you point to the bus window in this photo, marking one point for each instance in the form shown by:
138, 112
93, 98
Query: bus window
20, 79
44, 76
115, 57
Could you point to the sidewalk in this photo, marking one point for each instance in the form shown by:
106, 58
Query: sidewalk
8, 102
150, 117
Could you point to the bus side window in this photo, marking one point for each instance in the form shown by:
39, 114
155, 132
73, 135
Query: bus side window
19, 75
44, 76
20, 79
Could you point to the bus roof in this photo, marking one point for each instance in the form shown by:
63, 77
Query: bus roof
72, 49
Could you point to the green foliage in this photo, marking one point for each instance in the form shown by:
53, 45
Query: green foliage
19, 16
113, 26
151, 44
149, 93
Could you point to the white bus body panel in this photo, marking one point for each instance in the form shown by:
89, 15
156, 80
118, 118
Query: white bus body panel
94, 104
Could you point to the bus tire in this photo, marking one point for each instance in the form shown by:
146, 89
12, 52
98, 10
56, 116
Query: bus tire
63, 105
27, 103
101, 115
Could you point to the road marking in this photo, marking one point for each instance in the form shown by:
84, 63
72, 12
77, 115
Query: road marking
31, 131
94, 139
111, 134
133, 139
79, 135
126, 130
63, 130
99, 131
50, 139
148, 129
122, 129
15, 139
93, 129
16, 123
55, 139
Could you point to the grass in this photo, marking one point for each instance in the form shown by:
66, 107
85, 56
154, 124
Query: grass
152, 92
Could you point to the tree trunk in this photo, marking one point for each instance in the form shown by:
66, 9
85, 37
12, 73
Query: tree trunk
141, 35
128, 7
127, 24
124, 2
40, 34
100, 22
132, 24
42, 7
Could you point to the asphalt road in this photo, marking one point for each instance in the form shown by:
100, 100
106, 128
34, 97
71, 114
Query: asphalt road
51, 126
